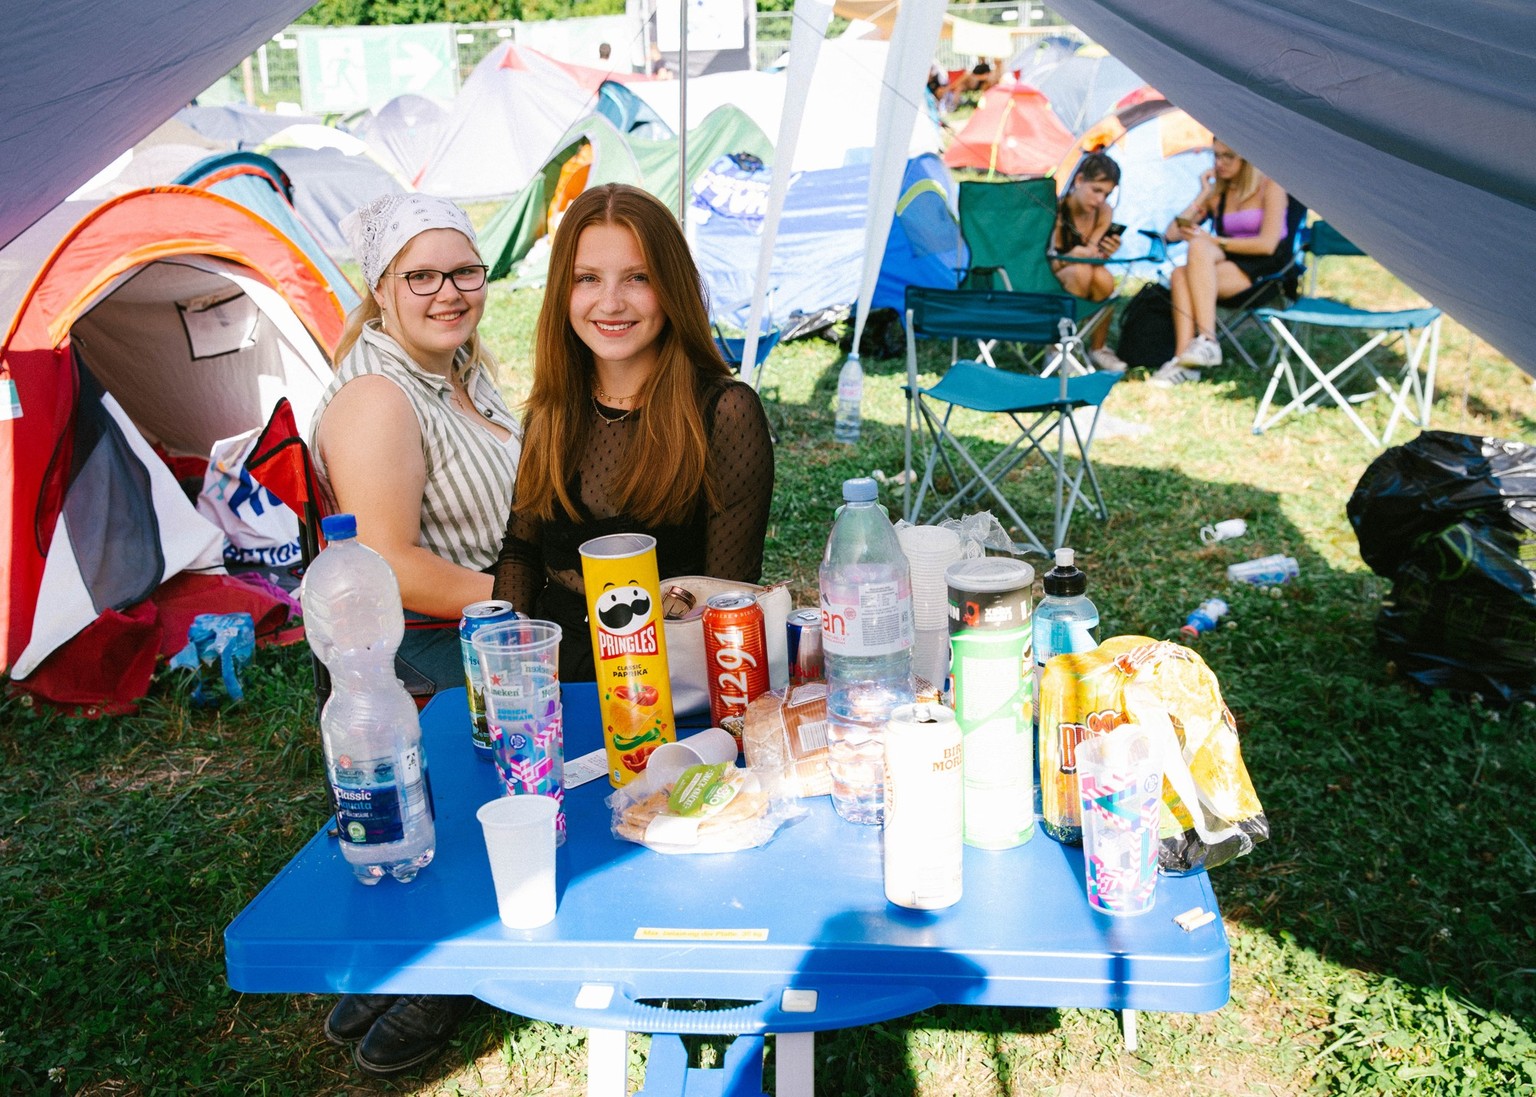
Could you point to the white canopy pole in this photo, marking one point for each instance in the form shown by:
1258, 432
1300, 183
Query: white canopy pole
807, 32
906, 70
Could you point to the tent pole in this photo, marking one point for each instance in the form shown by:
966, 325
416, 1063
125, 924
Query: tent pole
682, 111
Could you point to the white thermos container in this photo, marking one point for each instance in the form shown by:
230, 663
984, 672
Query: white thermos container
924, 808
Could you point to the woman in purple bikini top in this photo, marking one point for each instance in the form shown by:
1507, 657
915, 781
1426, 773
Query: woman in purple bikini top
1246, 241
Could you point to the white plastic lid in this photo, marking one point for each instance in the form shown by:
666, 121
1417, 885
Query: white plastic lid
860, 489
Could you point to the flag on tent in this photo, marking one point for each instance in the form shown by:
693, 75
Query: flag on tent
280, 462
102, 558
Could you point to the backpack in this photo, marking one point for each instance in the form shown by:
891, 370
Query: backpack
1146, 329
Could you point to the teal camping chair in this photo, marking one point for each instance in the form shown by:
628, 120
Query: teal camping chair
1416, 331
1038, 406
1007, 227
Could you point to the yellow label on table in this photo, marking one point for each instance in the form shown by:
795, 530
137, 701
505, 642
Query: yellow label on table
679, 933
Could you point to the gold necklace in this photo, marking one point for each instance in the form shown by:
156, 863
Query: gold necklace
605, 417
609, 398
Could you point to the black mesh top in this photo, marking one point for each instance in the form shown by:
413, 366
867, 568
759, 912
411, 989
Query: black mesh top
539, 570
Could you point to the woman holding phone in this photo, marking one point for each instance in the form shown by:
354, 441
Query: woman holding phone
1085, 230
1247, 239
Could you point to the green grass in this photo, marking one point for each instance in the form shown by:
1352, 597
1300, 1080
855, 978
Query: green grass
1384, 939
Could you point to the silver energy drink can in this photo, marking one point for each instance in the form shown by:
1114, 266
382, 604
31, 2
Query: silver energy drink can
803, 628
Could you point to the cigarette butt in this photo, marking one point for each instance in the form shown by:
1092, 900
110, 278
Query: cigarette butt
1189, 924
1188, 916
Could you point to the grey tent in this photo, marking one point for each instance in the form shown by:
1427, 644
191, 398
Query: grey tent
1410, 126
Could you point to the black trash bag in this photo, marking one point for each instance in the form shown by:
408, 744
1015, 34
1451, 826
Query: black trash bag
1451, 520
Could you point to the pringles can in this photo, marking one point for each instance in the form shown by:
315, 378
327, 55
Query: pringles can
989, 644
629, 650
478, 615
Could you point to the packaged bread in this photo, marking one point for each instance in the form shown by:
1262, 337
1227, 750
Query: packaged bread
706, 809
785, 739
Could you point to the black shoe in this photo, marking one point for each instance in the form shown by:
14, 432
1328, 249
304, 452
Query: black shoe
353, 1016
416, 1028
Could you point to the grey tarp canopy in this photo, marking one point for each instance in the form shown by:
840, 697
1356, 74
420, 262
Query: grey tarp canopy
86, 79
1410, 124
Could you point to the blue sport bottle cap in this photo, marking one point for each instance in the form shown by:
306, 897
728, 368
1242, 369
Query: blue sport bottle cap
860, 489
338, 527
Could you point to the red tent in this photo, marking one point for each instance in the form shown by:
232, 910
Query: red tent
171, 317
1013, 132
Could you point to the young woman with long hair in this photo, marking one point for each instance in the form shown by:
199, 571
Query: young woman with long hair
1247, 239
1083, 221
634, 423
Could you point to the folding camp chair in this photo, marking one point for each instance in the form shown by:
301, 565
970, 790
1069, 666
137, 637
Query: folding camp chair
1038, 406
1411, 391
1008, 227
1276, 290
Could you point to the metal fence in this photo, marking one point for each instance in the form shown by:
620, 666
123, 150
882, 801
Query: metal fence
270, 76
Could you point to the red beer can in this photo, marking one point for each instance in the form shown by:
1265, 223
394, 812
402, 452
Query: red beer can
735, 652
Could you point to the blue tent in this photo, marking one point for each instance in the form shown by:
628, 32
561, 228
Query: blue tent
816, 257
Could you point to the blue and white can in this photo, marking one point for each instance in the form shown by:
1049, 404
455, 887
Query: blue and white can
478, 615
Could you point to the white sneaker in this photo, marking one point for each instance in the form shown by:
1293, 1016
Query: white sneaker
1107, 360
1171, 373
1202, 351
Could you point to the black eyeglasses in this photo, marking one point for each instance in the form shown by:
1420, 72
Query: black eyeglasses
424, 283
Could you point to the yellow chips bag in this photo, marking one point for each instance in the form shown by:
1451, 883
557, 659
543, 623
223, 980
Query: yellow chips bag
1211, 813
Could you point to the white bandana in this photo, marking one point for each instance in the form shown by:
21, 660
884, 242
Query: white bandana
380, 229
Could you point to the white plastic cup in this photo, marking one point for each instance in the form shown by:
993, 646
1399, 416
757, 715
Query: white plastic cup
708, 747
520, 843
1120, 777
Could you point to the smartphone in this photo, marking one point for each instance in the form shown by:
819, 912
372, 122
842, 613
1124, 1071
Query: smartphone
1184, 222
1115, 229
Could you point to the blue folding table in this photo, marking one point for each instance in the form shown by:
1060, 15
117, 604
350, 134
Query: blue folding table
797, 933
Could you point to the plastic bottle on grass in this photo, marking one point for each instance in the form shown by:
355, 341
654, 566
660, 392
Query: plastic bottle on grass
1064, 621
866, 623
1204, 619
850, 400
369, 727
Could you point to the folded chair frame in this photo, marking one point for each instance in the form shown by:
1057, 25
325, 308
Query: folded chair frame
1411, 395
1037, 406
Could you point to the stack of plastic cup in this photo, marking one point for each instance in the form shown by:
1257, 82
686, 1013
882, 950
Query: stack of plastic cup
929, 551
1121, 779
520, 673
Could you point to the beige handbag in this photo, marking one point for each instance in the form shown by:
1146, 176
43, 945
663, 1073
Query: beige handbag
685, 639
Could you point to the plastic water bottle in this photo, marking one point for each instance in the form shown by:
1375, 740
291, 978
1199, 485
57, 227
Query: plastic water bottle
866, 637
1266, 571
369, 727
1064, 621
850, 400
1204, 619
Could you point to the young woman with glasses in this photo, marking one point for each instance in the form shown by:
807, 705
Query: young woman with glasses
413, 437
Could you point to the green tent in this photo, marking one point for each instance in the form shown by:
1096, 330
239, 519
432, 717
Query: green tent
651, 163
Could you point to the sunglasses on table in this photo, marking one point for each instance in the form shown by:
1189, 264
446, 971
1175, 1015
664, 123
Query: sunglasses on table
424, 283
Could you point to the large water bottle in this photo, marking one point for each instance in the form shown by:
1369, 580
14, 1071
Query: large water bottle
866, 627
850, 400
369, 727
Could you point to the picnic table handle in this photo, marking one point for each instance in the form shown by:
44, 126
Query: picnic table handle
594, 1003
